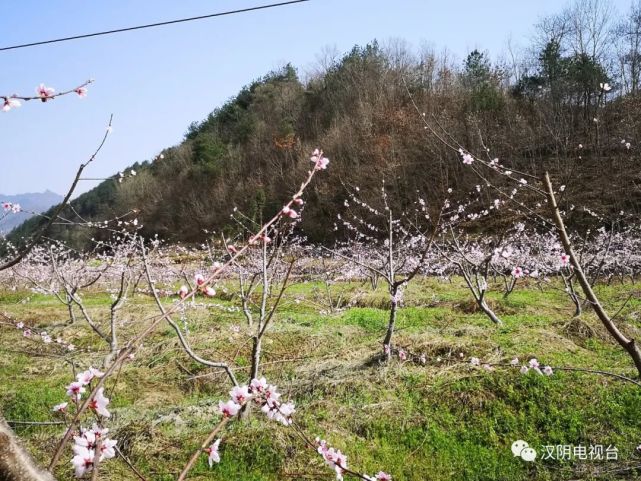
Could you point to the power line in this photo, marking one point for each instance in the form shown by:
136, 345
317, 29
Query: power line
150, 25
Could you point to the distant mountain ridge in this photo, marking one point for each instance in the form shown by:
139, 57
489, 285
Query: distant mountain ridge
30, 202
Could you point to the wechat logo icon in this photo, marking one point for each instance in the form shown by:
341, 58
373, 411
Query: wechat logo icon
522, 449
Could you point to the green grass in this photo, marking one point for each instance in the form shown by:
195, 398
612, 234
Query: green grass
442, 421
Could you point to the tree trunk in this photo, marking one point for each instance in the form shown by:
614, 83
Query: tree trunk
490, 313
628, 344
245, 411
16, 464
390, 325
256, 350
72, 315
577, 305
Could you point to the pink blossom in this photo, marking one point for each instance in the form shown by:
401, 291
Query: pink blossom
210, 291
87, 376
289, 212
240, 394
108, 449
84, 377
20, 325
26, 332
10, 103
75, 390
83, 461
322, 163
271, 393
258, 385
81, 91
87, 439
319, 161
60, 408
333, 457
44, 92
547, 370
402, 355
386, 349
279, 412
517, 272
200, 279
97, 431
534, 363
467, 158
524, 369
565, 259
475, 361
212, 451
183, 291
382, 476
298, 201
287, 409
99, 403
515, 361
229, 408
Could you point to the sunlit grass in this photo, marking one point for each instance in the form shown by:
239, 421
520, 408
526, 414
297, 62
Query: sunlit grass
444, 420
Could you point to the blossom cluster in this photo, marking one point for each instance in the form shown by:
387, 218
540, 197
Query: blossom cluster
332, 457
403, 355
200, 286
288, 211
267, 396
11, 207
91, 446
43, 93
534, 365
261, 393
264, 394
76, 389
85, 447
320, 162
44, 336
525, 368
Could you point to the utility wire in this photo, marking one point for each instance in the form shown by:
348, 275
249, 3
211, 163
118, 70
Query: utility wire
159, 24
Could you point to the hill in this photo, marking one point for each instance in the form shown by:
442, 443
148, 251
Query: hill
31, 203
365, 111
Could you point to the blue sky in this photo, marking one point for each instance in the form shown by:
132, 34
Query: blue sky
157, 81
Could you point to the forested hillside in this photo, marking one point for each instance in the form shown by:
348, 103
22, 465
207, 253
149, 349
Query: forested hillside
531, 113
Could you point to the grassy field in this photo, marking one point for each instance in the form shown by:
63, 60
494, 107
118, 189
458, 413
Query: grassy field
443, 421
